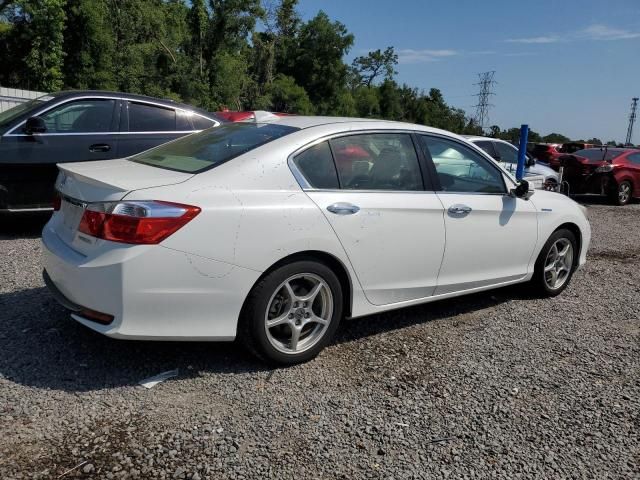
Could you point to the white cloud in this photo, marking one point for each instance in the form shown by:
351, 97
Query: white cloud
409, 55
603, 32
595, 32
542, 39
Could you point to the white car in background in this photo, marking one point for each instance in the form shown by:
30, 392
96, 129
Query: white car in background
273, 232
507, 155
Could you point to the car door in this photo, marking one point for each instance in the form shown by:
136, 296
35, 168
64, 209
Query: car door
77, 130
371, 189
146, 125
491, 234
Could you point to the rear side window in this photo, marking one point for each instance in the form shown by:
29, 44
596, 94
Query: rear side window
202, 151
201, 123
377, 161
316, 164
487, 146
599, 154
80, 116
151, 118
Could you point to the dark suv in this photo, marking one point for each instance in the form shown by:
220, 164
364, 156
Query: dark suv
75, 126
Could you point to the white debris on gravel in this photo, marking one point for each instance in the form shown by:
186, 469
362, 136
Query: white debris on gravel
496, 385
159, 378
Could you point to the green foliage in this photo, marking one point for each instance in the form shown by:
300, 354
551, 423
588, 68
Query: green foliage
31, 49
288, 97
368, 68
555, 138
316, 60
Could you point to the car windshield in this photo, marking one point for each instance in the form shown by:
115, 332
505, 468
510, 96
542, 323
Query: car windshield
201, 151
598, 154
8, 115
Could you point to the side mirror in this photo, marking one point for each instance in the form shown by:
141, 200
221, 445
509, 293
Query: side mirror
531, 161
522, 190
34, 125
497, 157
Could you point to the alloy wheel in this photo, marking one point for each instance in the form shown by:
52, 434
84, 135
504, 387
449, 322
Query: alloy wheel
624, 192
558, 264
298, 313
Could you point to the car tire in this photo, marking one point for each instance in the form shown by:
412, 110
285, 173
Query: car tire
275, 315
550, 265
622, 193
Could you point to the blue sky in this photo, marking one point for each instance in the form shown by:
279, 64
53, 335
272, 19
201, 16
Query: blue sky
569, 66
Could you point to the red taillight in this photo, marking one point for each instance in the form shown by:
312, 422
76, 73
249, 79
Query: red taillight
57, 201
137, 222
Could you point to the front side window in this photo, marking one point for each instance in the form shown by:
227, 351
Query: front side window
460, 169
151, 118
316, 164
507, 153
80, 116
202, 151
377, 161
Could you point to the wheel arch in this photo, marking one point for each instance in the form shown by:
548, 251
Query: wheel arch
336, 265
575, 229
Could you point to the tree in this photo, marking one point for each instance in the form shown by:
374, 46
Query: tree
375, 64
595, 141
198, 21
316, 60
289, 97
31, 50
494, 131
555, 138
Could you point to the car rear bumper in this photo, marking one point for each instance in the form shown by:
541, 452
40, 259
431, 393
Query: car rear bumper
601, 184
152, 292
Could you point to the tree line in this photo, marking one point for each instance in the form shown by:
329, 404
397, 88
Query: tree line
215, 54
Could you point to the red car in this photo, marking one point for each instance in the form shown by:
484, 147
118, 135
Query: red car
614, 172
545, 153
230, 116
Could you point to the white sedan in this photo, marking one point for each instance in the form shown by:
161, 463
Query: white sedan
274, 231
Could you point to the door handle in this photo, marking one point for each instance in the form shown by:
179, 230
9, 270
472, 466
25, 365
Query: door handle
459, 209
99, 147
342, 208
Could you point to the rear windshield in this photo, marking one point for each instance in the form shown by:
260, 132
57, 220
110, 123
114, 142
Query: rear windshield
598, 154
201, 151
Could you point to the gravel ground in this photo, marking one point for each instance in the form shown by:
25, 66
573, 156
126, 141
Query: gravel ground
496, 385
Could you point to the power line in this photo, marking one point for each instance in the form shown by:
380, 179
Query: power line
632, 120
482, 108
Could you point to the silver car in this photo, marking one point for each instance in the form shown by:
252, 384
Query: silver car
507, 155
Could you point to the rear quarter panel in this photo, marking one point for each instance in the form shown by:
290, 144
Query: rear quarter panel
253, 215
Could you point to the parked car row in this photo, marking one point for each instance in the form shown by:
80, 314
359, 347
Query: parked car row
75, 126
273, 231
614, 172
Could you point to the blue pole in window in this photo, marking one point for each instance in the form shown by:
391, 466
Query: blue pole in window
522, 151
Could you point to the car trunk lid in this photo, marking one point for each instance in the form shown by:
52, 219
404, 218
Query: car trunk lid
111, 180
105, 181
